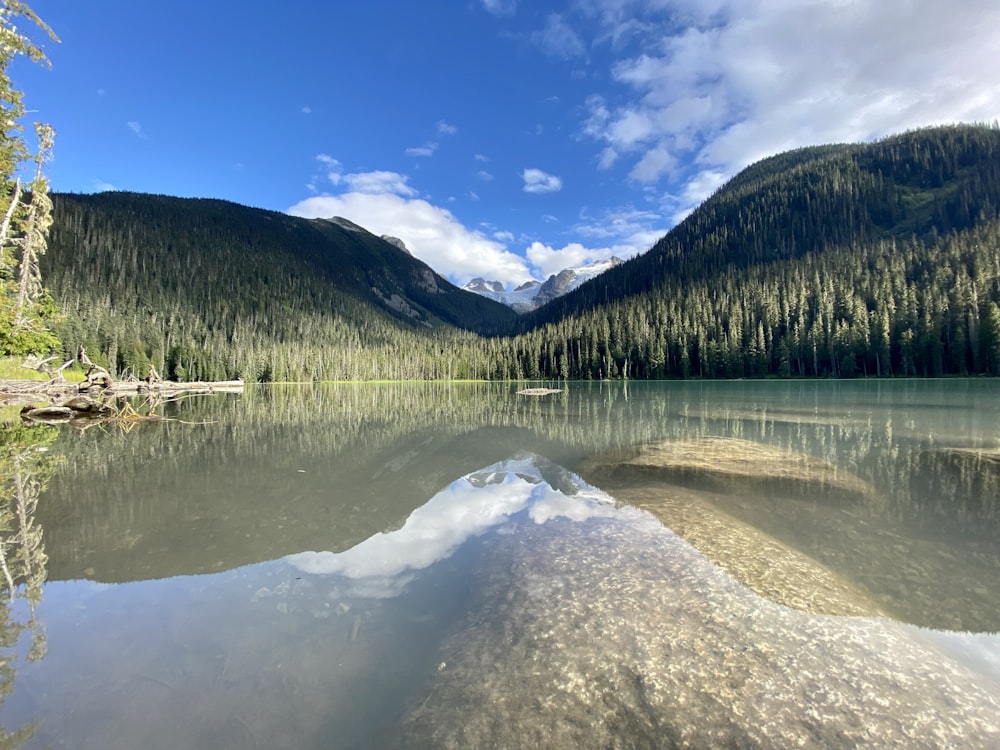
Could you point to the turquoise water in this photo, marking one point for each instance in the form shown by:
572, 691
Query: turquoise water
443, 566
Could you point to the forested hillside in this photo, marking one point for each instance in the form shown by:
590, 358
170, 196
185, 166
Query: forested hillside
205, 289
842, 260
878, 259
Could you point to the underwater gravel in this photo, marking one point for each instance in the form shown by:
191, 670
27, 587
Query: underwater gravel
616, 633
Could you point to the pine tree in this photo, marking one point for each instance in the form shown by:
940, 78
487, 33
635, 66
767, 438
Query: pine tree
26, 310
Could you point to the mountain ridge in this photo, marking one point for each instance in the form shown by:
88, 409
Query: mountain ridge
831, 261
532, 294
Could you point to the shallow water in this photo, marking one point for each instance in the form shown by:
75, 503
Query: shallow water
459, 566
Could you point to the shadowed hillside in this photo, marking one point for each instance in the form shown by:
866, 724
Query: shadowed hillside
210, 289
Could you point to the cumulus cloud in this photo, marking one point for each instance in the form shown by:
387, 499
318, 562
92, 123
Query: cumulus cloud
722, 83
549, 260
537, 181
623, 232
485, 176
375, 182
432, 233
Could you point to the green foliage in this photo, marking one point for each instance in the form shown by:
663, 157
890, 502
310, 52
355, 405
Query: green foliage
209, 290
26, 311
836, 261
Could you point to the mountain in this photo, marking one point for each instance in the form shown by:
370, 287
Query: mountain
840, 260
880, 258
533, 294
921, 184
211, 289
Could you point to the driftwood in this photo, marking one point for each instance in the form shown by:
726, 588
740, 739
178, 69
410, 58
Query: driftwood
91, 399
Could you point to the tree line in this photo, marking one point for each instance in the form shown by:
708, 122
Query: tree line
843, 260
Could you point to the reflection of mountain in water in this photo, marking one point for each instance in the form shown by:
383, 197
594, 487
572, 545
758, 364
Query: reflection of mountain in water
617, 633
528, 611
477, 503
284, 469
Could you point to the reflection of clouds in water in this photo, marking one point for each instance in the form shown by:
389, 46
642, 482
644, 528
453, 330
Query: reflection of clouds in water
468, 507
980, 651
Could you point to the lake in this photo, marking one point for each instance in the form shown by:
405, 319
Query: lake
682, 564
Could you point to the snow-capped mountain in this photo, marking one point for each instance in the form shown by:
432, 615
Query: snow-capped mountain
533, 294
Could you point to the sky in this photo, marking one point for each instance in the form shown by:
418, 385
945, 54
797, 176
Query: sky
505, 139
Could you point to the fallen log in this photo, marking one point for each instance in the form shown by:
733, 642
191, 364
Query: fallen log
72, 402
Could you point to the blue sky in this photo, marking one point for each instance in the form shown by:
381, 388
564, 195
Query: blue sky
499, 138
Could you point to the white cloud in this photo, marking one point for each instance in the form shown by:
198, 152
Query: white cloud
378, 182
653, 165
101, 186
549, 260
136, 128
537, 181
375, 182
482, 158
713, 86
444, 128
485, 176
557, 39
432, 233
623, 225
427, 149
504, 236
500, 7
307, 110
623, 232
607, 158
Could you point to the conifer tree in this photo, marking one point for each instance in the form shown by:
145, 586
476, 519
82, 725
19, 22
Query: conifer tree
26, 310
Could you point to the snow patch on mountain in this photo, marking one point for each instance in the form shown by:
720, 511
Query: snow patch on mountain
533, 294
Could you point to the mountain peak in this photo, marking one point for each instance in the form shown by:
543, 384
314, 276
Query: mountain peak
532, 293
395, 241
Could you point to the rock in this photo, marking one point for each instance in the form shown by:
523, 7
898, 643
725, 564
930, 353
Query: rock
84, 405
48, 413
723, 463
396, 242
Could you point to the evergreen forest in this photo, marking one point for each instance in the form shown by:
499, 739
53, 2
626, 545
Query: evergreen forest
876, 259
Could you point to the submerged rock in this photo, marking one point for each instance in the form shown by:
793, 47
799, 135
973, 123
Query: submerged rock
764, 564
618, 634
808, 534
722, 463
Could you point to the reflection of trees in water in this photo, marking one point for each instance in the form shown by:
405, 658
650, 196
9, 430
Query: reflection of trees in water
25, 467
877, 431
928, 459
376, 451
